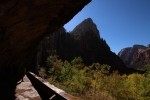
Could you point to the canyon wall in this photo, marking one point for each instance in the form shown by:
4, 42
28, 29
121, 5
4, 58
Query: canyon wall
23, 24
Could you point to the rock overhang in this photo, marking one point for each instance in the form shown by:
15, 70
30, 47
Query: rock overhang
23, 23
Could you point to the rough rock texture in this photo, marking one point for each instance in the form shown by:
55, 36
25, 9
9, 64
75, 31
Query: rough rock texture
23, 23
52, 44
142, 59
84, 28
148, 45
135, 57
130, 53
25, 91
83, 41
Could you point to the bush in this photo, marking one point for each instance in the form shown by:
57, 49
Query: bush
94, 82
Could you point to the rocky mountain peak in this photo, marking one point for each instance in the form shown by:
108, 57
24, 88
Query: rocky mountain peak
139, 46
85, 42
86, 27
124, 50
136, 56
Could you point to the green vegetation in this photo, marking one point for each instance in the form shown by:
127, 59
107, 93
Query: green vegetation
94, 82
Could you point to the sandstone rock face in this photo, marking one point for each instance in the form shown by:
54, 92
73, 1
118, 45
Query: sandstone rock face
53, 44
148, 45
135, 57
84, 27
142, 59
83, 41
22, 26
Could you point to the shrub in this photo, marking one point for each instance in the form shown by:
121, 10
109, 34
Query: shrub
94, 82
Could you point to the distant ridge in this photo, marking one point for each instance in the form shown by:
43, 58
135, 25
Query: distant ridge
136, 57
84, 27
84, 41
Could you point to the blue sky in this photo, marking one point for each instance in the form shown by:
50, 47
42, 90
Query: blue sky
122, 23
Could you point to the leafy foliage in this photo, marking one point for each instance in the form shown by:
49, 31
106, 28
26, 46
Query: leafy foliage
94, 82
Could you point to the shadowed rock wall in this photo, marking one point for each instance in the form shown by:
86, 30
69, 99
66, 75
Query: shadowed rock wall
85, 42
23, 23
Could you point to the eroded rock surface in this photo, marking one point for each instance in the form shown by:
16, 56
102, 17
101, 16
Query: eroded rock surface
135, 57
23, 23
25, 91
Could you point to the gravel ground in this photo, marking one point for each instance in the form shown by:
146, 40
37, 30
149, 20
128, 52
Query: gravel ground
25, 91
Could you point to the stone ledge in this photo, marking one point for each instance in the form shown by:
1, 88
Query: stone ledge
49, 88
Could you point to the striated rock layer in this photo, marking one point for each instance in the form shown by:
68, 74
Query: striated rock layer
23, 23
135, 57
